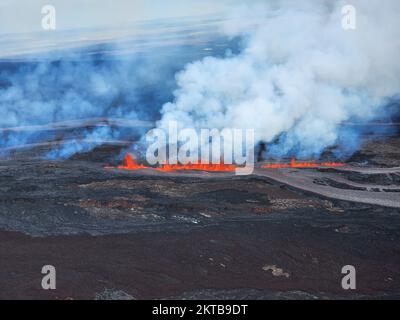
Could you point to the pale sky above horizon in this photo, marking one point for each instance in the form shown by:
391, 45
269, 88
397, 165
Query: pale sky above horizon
21, 16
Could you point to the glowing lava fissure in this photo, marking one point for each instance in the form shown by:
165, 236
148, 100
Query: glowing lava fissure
294, 164
198, 167
131, 164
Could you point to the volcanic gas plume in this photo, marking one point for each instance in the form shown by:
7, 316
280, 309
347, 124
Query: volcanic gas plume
299, 76
295, 77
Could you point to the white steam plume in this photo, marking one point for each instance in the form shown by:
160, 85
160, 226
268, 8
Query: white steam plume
299, 75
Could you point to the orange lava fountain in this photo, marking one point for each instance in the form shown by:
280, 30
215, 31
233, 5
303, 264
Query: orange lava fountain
198, 167
131, 164
294, 164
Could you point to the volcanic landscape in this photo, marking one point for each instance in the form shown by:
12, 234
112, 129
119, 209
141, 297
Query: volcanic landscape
76, 194
280, 233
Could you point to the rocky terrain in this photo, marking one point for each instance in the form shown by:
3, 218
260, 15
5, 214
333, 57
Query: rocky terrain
277, 234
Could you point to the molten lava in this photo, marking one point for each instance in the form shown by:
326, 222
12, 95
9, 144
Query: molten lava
131, 164
294, 164
198, 167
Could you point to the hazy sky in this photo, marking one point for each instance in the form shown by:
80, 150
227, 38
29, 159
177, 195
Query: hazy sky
25, 15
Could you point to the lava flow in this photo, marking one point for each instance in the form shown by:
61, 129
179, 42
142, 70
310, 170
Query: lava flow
131, 164
294, 164
198, 167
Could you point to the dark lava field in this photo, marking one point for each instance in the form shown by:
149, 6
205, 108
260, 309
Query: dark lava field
114, 234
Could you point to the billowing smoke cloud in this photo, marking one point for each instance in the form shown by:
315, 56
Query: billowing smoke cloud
296, 78
48, 92
299, 76
127, 78
79, 86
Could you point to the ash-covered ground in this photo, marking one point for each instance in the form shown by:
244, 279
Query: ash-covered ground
277, 234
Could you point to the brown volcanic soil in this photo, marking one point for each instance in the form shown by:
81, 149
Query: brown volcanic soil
113, 234
219, 261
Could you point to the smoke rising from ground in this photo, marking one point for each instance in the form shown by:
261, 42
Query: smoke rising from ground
80, 86
129, 77
299, 75
296, 77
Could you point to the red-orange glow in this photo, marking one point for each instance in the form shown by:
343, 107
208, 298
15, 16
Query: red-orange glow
130, 164
294, 164
198, 167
